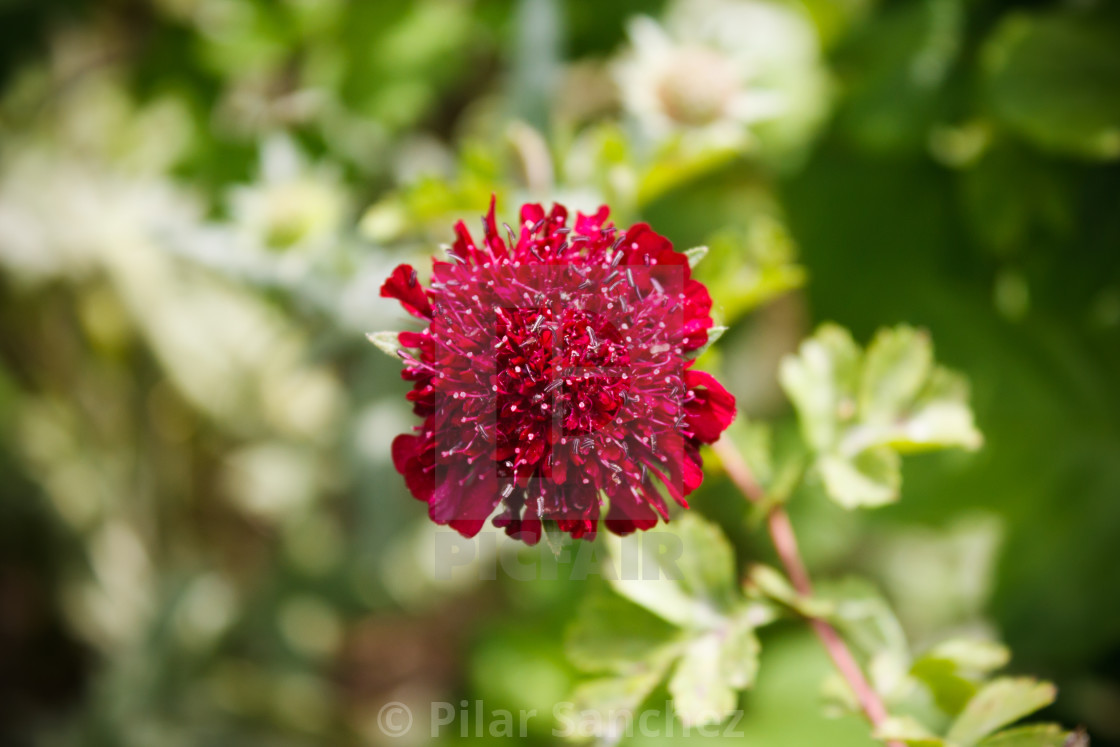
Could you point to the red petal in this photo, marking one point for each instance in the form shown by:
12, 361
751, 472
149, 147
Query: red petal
711, 410
412, 458
478, 499
628, 515
531, 213
589, 224
403, 286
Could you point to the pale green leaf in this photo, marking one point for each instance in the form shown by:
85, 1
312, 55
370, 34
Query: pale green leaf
871, 478
713, 336
999, 703
821, 381
701, 695
740, 649
869, 624
688, 572
939, 418
1035, 735
695, 255
950, 689
895, 367
613, 702
612, 634
972, 655
772, 584
706, 562
908, 731
386, 342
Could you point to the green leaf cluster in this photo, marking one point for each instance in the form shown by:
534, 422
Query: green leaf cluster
860, 410
683, 620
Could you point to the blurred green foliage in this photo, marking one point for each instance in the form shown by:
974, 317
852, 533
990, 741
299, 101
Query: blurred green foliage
202, 539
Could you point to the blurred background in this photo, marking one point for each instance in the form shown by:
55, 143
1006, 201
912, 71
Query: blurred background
202, 538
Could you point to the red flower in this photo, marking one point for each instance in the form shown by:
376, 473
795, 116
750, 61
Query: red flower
554, 372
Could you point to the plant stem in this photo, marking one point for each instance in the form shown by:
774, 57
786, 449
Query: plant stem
785, 543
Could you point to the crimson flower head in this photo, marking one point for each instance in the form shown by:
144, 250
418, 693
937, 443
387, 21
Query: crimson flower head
554, 376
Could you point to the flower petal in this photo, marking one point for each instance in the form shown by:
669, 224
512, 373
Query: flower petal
403, 286
712, 408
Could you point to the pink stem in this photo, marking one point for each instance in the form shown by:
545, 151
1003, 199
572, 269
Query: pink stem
785, 543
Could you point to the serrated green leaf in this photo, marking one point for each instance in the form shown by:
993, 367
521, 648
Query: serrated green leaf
701, 695
908, 731
614, 701
713, 336
741, 649
748, 267
821, 381
951, 691
695, 580
612, 634
940, 417
695, 255
896, 365
715, 666
772, 584
866, 620
707, 561
997, 704
859, 411
1053, 79
971, 655
1035, 735
870, 478
386, 342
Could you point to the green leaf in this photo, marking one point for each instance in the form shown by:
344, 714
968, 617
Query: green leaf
707, 562
867, 621
614, 700
821, 381
741, 649
970, 655
713, 335
858, 411
871, 478
1053, 79
951, 691
695, 255
750, 266
1036, 735
612, 634
695, 582
701, 695
772, 584
999, 703
908, 731
896, 365
386, 342
952, 670
939, 418
715, 666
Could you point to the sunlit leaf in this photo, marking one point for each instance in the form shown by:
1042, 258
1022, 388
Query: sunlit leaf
611, 634
701, 695
1036, 735
997, 704
908, 731
386, 342
859, 411
695, 255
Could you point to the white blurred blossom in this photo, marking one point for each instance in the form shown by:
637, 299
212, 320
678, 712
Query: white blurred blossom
279, 226
714, 68
293, 206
